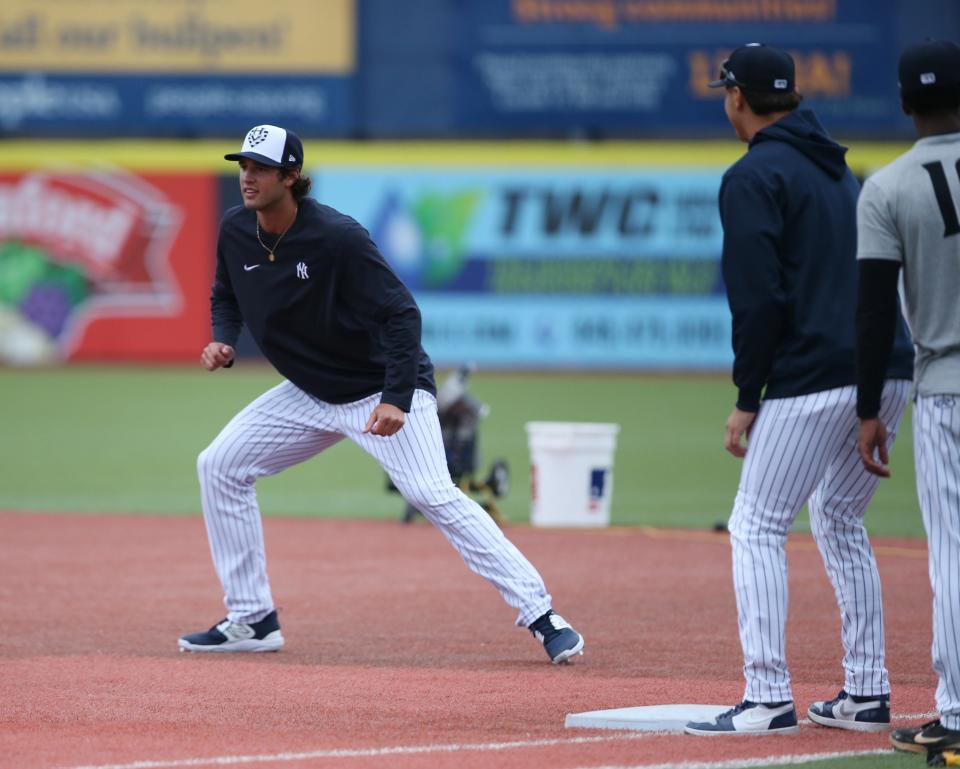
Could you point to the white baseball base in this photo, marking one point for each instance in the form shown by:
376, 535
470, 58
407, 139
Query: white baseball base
650, 718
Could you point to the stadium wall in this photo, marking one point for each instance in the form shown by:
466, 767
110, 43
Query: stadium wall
521, 254
466, 69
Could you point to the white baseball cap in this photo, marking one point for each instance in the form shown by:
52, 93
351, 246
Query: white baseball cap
271, 145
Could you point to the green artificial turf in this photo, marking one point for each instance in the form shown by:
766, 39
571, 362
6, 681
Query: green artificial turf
124, 439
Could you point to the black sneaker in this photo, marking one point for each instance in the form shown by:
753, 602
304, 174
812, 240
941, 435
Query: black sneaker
753, 718
849, 711
931, 737
227, 636
559, 639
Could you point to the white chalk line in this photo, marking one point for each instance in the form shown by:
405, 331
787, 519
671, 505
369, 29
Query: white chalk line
368, 752
739, 763
778, 760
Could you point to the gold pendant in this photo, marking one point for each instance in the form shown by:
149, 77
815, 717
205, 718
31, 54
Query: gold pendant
271, 257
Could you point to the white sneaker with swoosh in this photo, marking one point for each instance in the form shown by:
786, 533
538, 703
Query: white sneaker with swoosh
852, 712
750, 718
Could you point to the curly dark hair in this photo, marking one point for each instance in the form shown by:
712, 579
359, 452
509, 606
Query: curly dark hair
301, 187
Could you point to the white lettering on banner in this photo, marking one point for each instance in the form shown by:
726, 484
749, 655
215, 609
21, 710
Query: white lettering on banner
582, 332
80, 226
33, 97
206, 100
106, 237
539, 82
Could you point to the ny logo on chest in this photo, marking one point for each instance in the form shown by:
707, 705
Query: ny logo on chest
302, 269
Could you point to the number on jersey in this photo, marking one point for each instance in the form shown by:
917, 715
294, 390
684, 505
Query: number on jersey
948, 210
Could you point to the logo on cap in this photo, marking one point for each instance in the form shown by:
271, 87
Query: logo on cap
257, 136
928, 78
780, 83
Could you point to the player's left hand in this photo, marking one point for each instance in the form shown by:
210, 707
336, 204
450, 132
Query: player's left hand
385, 420
739, 424
873, 438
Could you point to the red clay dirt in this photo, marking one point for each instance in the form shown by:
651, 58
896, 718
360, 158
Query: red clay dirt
398, 656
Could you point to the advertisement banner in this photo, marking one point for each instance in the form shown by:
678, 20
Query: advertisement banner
615, 66
592, 267
94, 105
105, 266
183, 67
191, 36
579, 332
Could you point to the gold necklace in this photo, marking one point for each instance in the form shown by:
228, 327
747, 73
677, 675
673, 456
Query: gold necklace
270, 251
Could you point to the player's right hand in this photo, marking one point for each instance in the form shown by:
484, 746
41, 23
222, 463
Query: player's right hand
872, 446
739, 425
215, 355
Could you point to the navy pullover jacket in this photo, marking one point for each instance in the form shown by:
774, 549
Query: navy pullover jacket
329, 313
788, 209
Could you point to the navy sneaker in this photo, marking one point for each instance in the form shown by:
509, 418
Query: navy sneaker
750, 718
931, 737
849, 711
227, 636
559, 639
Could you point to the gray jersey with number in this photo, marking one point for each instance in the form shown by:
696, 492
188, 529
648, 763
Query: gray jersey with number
909, 212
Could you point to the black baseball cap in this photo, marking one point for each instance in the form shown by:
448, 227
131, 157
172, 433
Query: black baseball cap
929, 73
758, 67
271, 145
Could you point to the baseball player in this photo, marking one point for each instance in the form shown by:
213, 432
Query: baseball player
909, 224
328, 312
788, 209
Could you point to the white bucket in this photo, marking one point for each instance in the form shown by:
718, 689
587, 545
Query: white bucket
571, 472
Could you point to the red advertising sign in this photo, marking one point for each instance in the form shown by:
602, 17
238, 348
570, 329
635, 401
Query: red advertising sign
105, 266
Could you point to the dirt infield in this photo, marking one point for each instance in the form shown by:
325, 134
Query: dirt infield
396, 655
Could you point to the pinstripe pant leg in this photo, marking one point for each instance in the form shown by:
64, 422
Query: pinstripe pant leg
837, 510
787, 455
281, 428
937, 455
415, 461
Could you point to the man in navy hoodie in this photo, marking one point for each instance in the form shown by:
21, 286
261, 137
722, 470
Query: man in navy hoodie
788, 209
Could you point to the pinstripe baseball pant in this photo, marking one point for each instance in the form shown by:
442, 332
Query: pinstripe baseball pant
286, 426
936, 440
804, 450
